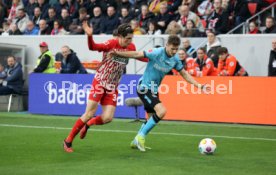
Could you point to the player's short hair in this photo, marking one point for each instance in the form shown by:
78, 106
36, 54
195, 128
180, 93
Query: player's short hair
202, 48
124, 30
174, 40
115, 33
222, 50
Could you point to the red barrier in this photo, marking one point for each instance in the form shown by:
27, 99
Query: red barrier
249, 100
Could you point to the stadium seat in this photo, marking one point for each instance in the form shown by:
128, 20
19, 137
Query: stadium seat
252, 7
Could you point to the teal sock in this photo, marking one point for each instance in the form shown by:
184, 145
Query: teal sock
149, 125
142, 126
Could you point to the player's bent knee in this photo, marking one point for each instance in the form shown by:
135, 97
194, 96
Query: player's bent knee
107, 119
161, 113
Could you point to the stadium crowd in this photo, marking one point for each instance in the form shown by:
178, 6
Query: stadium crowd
187, 18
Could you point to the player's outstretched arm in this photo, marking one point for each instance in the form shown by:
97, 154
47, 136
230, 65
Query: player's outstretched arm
191, 80
128, 54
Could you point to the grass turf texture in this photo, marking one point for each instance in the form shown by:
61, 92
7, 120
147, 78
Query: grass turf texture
106, 149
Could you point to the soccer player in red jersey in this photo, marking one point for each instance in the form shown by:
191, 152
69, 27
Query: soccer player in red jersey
104, 86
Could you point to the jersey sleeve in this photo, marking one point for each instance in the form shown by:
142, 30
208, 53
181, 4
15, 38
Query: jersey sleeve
101, 47
152, 54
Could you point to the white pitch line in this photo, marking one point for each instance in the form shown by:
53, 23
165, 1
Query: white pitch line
154, 133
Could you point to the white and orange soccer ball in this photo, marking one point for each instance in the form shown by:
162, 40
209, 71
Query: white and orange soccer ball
207, 146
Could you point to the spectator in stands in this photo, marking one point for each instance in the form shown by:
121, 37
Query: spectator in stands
145, 17
107, 3
190, 30
91, 4
16, 5
5, 30
136, 28
173, 29
125, 16
44, 8
53, 2
65, 19
212, 46
70, 63
58, 29
37, 16
188, 62
189, 49
155, 5
185, 14
30, 8
43, 28
31, 29
96, 20
73, 7
163, 18
253, 28
228, 64
205, 9
14, 30
13, 82
173, 5
76, 27
137, 6
7, 3
51, 17
241, 11
21, 20
25, 2
153, 28
270, 25
203, 65
110, 22
218, 19
124, 4
190, 3
62, 4
46, 61
272, 60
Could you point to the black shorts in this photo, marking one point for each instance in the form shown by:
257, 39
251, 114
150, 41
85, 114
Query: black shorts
149, 99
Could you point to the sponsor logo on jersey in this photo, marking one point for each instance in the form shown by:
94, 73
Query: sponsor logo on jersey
120, 60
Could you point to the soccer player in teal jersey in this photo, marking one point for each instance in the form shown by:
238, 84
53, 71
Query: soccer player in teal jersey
161, 61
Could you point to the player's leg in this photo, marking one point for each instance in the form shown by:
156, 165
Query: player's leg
90, 110
160, 112
150, 101
108, 101
132, 143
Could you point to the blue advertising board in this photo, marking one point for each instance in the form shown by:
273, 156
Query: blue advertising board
67, 94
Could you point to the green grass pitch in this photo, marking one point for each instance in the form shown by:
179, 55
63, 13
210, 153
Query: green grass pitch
32, 145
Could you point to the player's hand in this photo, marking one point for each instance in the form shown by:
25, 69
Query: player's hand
206, 88
88, 30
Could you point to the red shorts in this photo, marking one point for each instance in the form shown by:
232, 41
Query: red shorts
101, 95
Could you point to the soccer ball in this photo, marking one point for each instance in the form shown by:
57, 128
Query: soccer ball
207, 146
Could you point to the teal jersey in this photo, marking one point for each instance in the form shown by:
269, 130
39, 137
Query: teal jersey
158, 66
